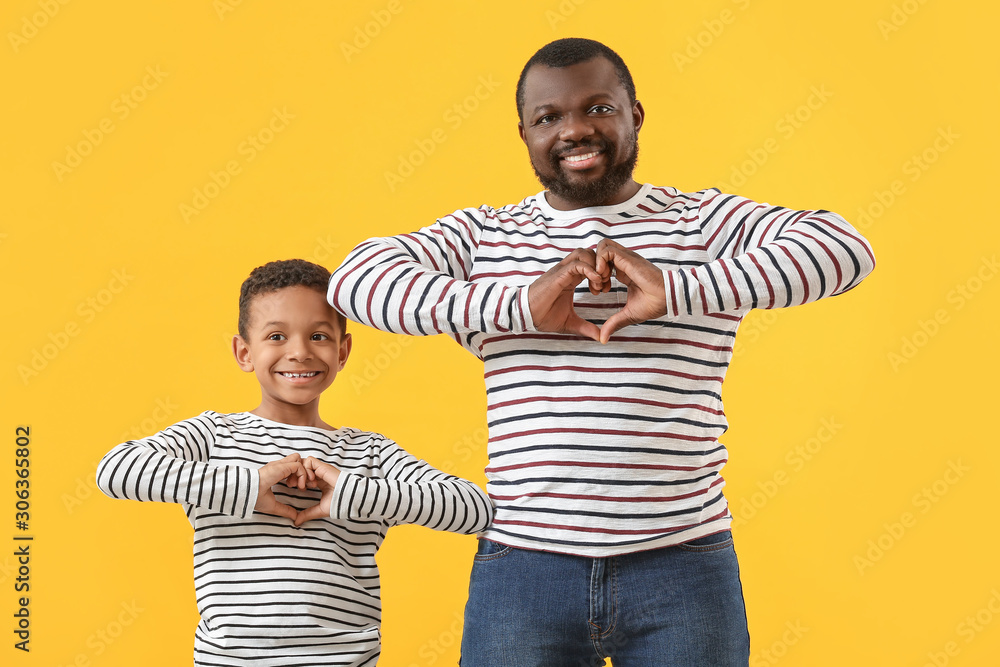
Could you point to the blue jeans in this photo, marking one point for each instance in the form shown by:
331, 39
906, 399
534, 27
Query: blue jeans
680, 606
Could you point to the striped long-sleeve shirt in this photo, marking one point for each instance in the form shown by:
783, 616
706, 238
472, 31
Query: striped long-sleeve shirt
602, 450
269, 592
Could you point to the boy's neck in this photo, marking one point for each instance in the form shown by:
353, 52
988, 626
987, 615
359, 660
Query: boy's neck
293, 415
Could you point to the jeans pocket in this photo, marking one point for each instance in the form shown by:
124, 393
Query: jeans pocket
490, 550
713, 542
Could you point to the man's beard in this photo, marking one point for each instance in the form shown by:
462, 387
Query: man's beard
591, 193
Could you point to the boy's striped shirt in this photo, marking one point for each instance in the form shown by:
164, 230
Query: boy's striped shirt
266, 589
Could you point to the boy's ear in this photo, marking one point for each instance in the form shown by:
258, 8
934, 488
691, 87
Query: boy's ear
242, 353
345, 350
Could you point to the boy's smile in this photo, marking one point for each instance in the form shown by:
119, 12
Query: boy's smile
295, 348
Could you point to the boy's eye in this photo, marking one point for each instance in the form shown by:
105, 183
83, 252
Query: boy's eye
320, 336
276, 336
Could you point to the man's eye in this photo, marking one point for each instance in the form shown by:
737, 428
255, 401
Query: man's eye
276, 336
546, 119
601, 108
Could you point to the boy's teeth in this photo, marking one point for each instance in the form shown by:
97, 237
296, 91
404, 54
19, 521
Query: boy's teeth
299, 375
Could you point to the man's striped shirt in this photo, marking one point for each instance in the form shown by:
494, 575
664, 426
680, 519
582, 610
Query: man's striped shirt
600, 450
265, 589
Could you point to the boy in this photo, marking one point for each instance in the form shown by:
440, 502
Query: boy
272, 588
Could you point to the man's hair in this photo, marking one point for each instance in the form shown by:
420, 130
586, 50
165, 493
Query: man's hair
274, 276
571, 51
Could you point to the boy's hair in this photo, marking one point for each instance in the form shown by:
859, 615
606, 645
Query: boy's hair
274, 276
572, 51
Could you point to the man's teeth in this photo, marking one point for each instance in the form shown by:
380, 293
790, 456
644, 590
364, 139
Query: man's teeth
301, 375
580, 158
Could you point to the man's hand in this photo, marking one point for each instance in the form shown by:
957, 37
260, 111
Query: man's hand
292, 472
324, 477
550, 297
647, 297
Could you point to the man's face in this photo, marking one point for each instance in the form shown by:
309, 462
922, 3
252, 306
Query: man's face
581, 132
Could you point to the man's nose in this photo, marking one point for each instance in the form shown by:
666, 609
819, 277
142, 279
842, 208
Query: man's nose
576, 127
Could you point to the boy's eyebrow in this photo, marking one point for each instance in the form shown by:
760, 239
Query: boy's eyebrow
276, 323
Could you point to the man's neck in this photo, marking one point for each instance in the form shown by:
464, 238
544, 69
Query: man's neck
625, 193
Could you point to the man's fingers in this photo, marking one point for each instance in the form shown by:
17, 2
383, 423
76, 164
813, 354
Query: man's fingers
617, 321
578, 325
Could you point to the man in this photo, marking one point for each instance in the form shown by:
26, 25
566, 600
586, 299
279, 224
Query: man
611, 532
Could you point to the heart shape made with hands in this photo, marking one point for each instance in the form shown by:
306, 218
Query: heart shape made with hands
550, 296
296, 472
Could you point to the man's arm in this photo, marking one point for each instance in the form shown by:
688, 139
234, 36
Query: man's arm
418, 283
412, 491
765, 257
173, 467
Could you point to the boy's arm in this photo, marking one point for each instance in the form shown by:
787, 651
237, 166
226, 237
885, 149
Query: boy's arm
418, 283
173, 467
412, 491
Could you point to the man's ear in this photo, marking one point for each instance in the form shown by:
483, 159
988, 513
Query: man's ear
638, 114
520, 131
242, 353
345, 350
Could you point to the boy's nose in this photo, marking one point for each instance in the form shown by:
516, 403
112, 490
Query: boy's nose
299, 350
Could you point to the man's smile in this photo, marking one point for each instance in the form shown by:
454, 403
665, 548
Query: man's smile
582, 160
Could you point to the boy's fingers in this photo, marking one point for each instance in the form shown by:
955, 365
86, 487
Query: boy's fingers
281, 509
308, 514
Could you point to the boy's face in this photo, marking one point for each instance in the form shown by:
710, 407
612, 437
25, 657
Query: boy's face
295, 347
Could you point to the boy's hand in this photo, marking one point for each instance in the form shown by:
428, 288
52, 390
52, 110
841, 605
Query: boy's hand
292, 472
324, 477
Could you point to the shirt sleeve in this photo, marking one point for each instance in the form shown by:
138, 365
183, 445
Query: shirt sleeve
419, 283
173, 467
412, 491
767, 257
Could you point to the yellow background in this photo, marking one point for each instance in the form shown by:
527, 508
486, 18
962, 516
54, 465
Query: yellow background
111, 581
